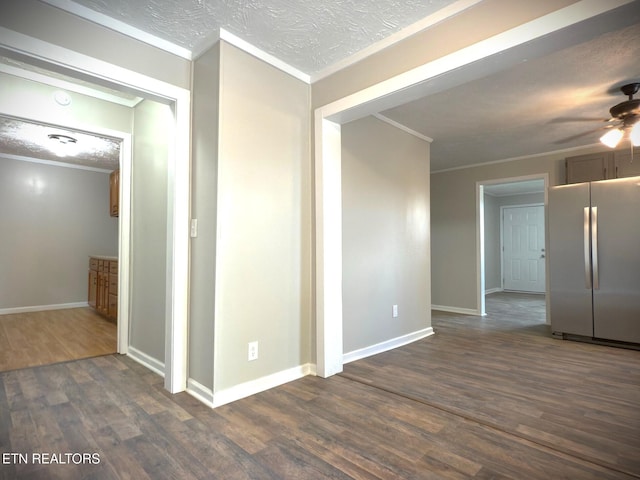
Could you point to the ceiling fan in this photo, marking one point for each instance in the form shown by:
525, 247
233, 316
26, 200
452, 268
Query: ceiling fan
627, 114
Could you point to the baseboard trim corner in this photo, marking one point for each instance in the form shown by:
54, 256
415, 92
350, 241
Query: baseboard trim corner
387, 345
252, 387
145, 360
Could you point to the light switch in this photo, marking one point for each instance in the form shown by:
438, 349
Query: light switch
194, 227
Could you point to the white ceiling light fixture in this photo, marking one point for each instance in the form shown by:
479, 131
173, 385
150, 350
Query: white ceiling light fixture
62, 145
628, 113
62, 98
634, 134
612, 138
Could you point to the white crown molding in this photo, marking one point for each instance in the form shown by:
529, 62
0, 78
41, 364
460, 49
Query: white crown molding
523, 157
69, 86
120, 27
264, 56
402, 127
417, 27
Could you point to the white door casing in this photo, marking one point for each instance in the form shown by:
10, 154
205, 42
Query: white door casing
523, 248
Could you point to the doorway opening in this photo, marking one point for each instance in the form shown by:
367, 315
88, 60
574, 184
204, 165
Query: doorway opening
61, 61
511, 237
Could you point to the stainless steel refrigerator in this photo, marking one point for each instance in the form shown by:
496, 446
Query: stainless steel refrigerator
594, 259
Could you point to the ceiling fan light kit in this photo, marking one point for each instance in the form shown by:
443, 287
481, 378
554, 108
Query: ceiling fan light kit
628, 113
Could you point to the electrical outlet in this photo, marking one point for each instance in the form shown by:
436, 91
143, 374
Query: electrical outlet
253, 351
394, 311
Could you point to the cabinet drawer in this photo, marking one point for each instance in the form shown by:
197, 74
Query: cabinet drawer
113, 267
113, 284
93, 264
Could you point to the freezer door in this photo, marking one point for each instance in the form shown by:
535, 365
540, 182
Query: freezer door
570, 301
616, 294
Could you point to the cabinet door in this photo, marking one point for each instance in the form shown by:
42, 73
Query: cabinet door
589, 168
627, 165
112, 309
103, 292
93, 288
114, 193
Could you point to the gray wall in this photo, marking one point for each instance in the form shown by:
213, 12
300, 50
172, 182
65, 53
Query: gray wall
251, 260
385, 195
149, 172
453, 222
52, 219
204, 191
492, 257
263, 257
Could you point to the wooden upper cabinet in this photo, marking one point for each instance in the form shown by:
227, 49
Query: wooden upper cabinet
603, 166
114, 193
625, 164
589, 168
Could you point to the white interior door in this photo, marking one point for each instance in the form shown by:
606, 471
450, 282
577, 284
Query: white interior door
523, 263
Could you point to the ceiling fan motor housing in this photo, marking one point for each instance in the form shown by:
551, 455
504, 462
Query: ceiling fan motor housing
629, 107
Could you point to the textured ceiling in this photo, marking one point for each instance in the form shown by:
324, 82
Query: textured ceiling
20, 138
555, 102
309, 35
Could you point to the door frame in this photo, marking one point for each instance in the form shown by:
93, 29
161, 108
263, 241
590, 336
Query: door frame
480, 241
74, 64
502, 208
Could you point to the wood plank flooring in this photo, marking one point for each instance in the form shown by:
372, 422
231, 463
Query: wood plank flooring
484, 398
41, 338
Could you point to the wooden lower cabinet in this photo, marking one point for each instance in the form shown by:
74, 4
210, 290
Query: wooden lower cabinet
103, 286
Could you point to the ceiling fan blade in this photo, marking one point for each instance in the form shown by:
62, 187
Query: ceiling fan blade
580, 135
579, 119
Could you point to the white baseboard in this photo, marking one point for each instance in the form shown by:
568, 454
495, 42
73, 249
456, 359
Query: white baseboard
42, 308
200, 392
259, 385
463, 311
493, 290
386, 345
142, 358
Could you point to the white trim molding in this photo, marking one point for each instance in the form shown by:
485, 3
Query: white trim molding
387, 345
402, 127
462, 311
413, 29
120, 27
252, 387
200, 392
42, 308
145, 360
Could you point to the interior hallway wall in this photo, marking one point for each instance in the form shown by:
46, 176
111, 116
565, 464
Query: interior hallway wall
386, 239
149, 174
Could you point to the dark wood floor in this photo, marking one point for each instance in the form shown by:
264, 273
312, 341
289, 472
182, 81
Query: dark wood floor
484, 398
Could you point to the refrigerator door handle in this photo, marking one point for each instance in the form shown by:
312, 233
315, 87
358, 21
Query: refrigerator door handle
594, 246
587, 252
